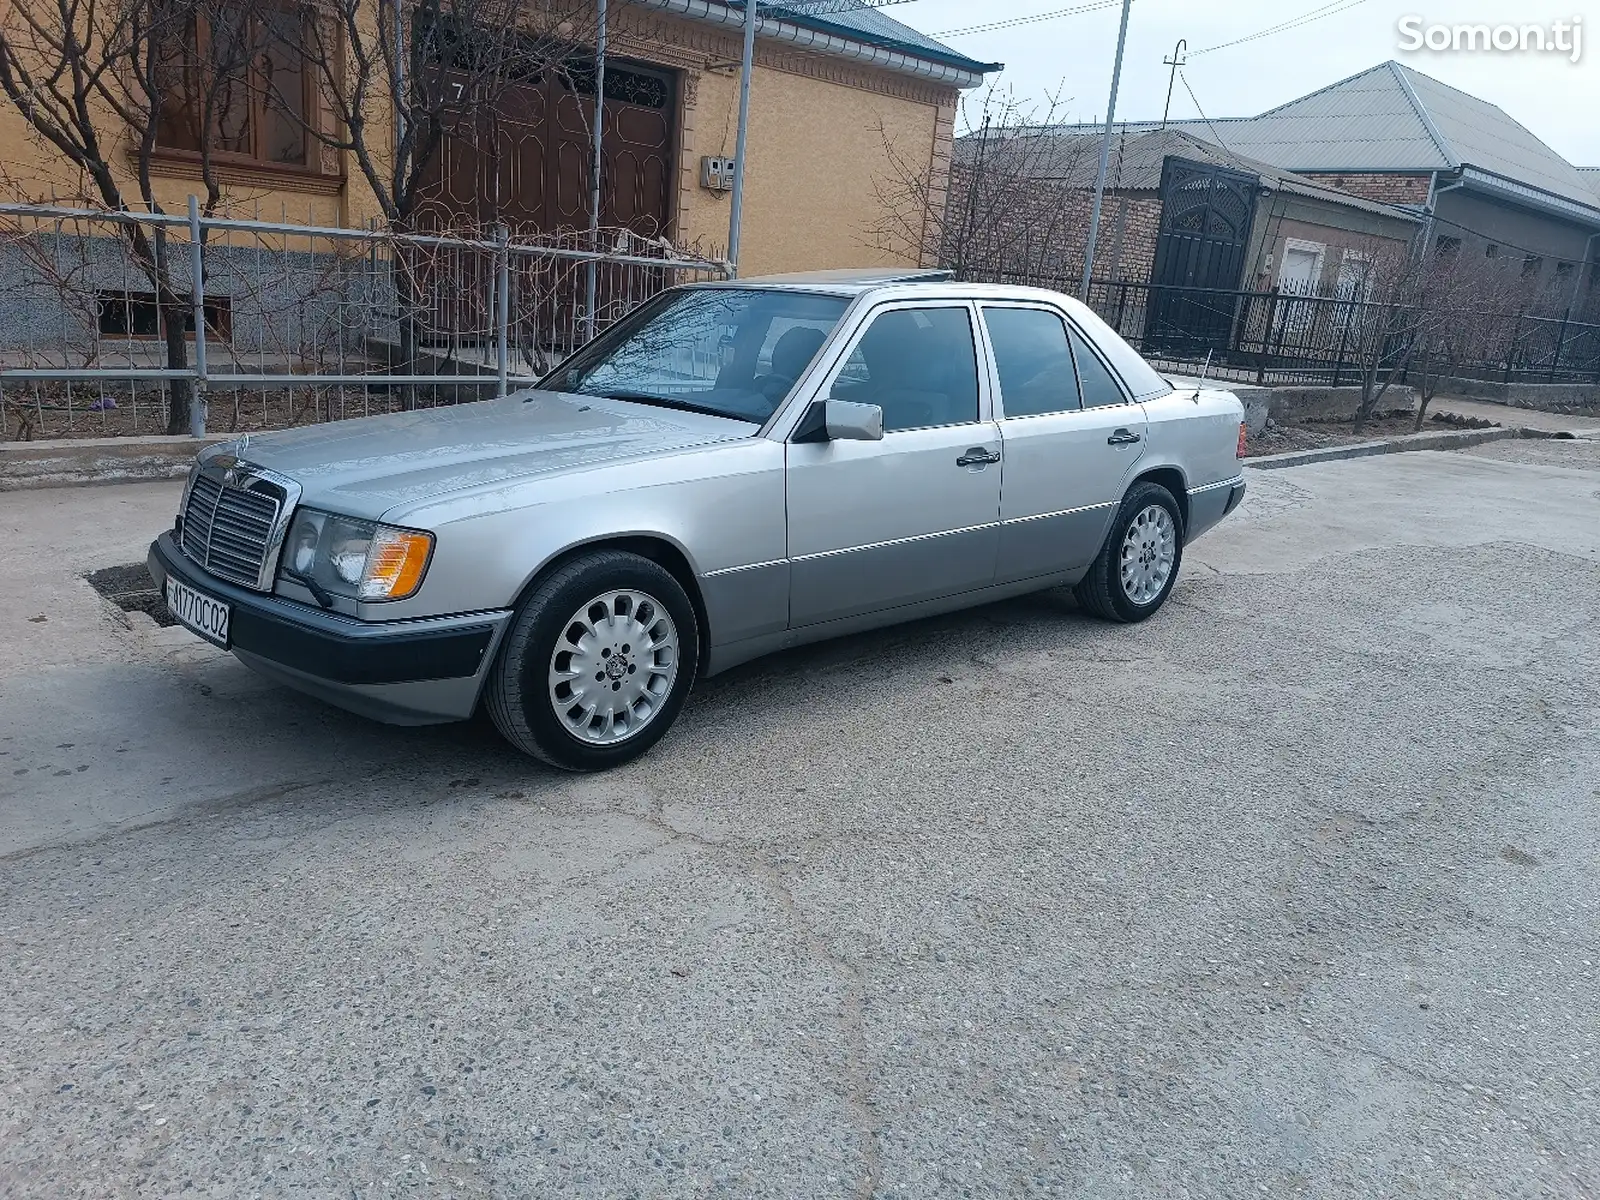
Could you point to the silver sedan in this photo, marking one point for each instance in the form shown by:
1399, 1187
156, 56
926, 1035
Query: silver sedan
730, 470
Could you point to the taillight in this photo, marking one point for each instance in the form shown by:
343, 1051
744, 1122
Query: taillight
1241, 440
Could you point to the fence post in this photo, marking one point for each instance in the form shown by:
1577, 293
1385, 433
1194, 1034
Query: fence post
1511, 350
1561, 337
502, 235
197, 289
1266, 336
1344, 344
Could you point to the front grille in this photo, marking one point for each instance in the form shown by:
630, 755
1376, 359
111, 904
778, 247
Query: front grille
229, 530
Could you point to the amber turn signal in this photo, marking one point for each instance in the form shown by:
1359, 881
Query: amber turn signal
396, 563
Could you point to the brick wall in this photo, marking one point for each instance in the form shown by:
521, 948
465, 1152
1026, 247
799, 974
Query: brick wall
1378, 186
1015, 231
1131, 225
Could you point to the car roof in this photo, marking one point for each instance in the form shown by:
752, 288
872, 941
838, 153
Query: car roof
907, 283
847, 281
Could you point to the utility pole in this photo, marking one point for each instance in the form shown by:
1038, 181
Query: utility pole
596, 164
1177, 60
748, 62
1105, 156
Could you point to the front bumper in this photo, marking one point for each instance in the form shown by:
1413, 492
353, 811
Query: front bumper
413, 672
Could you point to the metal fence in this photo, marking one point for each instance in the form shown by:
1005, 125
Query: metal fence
106, 317
1278, 337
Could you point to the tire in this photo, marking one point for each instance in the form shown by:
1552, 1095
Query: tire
1115, 594
573, 685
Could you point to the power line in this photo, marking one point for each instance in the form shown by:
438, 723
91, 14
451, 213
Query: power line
1184, 79
1305, 18
1013, 22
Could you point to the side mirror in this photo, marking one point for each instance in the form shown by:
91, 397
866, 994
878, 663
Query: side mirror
840, 421
847, 421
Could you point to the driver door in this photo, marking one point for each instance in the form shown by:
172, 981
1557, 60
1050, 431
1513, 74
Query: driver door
878, 525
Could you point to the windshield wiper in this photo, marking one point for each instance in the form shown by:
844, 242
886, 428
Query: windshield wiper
659, 401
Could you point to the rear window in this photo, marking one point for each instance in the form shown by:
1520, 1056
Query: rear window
1138, 376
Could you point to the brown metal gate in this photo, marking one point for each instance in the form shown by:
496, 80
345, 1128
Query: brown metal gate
524, 162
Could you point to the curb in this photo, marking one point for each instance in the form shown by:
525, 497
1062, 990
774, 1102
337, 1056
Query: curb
74, 462
1452, 439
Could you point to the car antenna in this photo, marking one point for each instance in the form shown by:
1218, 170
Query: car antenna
1204, 371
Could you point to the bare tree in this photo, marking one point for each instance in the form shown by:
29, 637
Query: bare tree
402, 80
1459, 296
1013, 206
102, 84
401, 77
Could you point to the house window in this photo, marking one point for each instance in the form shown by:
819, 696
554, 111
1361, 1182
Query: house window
1356, 276
1531, 265
1446, 246
137, 315
235, 83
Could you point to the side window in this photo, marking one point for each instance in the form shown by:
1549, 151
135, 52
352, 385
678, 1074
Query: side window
917, 364
1035, 365
1100, 388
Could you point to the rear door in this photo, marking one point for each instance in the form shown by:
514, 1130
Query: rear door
1071, 441
877, 525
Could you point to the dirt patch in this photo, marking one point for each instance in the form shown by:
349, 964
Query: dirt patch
1316, 435
131, 589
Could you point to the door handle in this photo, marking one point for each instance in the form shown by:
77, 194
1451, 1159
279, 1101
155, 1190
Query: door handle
1122, 437
977, 457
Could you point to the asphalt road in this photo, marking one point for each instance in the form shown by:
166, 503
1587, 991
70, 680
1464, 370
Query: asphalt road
1289, 892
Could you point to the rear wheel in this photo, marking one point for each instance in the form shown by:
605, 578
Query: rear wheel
597, 662
1134, 572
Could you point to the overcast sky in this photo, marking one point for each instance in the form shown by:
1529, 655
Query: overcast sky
1555, 98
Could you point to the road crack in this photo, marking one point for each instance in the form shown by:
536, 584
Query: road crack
850, 1018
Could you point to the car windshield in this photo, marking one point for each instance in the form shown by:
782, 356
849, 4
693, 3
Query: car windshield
733, 352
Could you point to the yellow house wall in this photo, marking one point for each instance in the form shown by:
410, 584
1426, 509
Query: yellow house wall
32, 170
817, 156
816, 161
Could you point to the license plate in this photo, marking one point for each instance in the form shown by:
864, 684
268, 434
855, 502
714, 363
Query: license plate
199, 612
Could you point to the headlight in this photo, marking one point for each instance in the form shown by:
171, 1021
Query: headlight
360, 560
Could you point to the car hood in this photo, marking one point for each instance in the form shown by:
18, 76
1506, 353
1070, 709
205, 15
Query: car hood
367, 466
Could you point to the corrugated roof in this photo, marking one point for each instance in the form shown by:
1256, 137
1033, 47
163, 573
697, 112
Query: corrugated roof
1392, 117
1137, 159
1367, 121
1591, 176
864, 23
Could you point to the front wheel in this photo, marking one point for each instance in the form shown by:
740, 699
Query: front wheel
1134, 572
597, 663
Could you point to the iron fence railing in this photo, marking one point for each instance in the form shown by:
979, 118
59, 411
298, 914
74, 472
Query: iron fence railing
1279, 337
105, 316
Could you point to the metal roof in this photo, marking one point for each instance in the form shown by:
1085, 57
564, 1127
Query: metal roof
865, 23
1392, 117
1591, 176
1137, 159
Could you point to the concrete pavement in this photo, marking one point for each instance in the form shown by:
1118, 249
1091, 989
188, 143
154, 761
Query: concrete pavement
1286, 892
1579, 424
